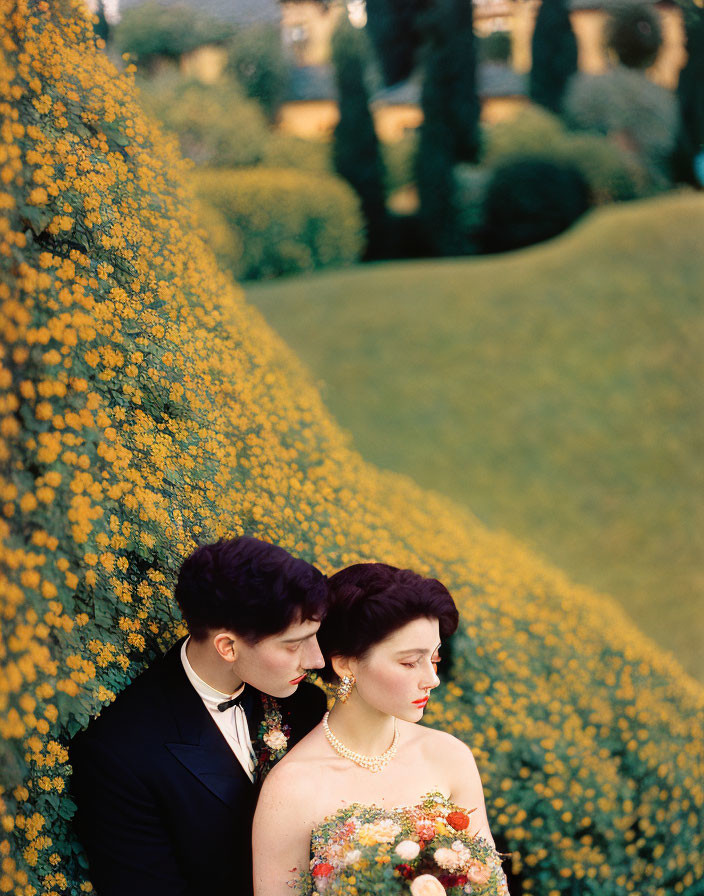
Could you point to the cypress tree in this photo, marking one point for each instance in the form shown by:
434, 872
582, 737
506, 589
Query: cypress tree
690, 95
461, 60
436, 146
450, 129
356, 152
396, 31
554, 49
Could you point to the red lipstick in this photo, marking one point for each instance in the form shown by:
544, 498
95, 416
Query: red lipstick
422, 702
298, 680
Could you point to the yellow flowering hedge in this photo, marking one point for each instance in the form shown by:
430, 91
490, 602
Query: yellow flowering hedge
144, 406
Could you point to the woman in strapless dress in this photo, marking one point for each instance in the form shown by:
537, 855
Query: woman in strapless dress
381, 639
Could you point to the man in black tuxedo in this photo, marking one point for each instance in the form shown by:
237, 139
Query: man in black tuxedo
166, 778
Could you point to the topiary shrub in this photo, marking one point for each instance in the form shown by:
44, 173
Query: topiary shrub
531, 130
144, 406
284, 221
287, 151
613, 173
531, 199
215, 124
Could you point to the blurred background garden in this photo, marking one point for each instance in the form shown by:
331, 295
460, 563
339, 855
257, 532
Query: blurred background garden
467, 340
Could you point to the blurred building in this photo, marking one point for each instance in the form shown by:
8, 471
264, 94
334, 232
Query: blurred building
588, 19
234, 12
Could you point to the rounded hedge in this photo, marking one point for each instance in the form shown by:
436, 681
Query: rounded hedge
613, 173
284, 221
530, 199
144, 407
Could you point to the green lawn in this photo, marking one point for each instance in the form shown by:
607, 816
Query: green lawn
557, 391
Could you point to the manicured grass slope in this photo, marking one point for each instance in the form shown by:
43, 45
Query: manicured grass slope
556, 391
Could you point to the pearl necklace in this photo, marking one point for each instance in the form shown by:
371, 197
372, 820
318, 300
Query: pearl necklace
372, 763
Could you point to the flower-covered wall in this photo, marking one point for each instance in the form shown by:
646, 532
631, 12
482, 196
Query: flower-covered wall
145, 407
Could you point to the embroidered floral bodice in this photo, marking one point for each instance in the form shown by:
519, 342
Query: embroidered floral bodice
423, 850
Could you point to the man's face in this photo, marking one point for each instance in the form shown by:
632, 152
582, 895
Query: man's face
278, 663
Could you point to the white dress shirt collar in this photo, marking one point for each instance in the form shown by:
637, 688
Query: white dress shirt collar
209, 695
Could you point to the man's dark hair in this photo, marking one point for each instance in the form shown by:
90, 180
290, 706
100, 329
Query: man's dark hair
249, 587
370, 601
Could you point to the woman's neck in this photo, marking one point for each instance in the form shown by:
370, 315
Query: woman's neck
360, 727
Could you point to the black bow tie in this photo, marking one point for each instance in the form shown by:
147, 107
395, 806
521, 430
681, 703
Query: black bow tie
234, 701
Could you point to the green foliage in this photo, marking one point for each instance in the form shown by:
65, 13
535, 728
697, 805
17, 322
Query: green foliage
256, 59
631, 109
396, 29
434, 177
287, 151
471, 182
495, 47
450, 60
531, 199
461, 57
690, 96
215, 124
282, 221
613, 173
450, 129
356, 152
398, 161
101, 25
152, 30
634, 33
554, 55
530, 131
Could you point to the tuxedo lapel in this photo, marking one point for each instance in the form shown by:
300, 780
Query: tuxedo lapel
254, 710
200, 746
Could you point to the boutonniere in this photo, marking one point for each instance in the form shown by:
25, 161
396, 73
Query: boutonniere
272, 738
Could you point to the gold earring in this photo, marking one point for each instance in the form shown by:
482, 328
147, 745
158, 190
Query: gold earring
345, 688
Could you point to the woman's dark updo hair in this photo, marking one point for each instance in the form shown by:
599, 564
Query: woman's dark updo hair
370, 601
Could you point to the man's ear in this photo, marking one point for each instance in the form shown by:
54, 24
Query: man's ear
226, 645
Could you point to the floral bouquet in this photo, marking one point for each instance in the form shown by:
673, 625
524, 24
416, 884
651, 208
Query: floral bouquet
423, 850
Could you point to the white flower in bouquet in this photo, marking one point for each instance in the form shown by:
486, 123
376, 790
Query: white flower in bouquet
407, 850
448, 859
427, 885
275, 740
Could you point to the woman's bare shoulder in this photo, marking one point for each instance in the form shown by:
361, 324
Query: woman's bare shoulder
437, 740
291, 775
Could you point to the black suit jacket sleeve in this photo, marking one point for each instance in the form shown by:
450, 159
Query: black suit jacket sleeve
120, 827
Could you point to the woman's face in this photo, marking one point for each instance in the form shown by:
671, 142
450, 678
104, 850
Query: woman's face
397, 674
